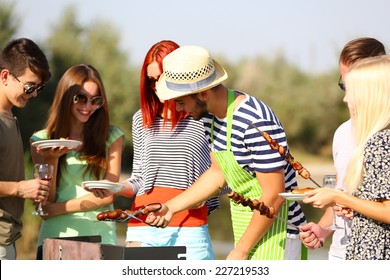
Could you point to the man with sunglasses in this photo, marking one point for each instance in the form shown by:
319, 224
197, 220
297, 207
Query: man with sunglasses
313, 235
24, 70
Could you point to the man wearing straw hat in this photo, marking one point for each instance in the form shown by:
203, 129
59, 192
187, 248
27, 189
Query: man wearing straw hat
241, 157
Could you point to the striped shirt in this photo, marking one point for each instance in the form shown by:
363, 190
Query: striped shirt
251, 150
169, 158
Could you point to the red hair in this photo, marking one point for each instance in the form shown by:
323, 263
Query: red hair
151, 106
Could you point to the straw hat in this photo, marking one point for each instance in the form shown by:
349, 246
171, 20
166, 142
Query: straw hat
188, 70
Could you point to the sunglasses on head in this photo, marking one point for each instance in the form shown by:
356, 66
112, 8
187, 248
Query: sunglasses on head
81, 98
341, 83
29, 88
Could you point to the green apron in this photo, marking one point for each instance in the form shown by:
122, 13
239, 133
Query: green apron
273, 243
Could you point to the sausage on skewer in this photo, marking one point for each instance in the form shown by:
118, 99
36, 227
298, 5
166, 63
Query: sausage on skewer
296, 165
252, 204
119, 215
255, 204
116, 214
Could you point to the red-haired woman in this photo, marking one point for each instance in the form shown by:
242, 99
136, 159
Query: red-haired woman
170, 153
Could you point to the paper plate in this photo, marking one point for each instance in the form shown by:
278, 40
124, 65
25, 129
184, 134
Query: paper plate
47, 144
293, 196
112, 187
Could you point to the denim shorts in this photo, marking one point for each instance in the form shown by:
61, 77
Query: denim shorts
8, 252
196, 239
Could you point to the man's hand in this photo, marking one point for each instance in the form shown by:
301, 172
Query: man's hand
313, 235
35, 189
235, 254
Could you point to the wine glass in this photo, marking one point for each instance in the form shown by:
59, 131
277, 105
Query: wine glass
42, 171
330, 181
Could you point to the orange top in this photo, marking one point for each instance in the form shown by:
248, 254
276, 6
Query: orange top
187, 218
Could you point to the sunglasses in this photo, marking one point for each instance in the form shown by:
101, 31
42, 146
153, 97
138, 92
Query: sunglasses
83, 99
153, 80
29, 88
341, 83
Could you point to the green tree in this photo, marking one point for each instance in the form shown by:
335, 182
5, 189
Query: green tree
8, 22
97, 44
71, 43
309, 106
29, 117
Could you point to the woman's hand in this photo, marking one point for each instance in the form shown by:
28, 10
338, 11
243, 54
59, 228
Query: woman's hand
322, 197
160, 218
101, 193
53, 153
343, 211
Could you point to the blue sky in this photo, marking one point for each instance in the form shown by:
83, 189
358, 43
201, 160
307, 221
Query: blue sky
309, 33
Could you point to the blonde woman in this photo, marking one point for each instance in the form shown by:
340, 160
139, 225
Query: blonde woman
368, 173
313, 235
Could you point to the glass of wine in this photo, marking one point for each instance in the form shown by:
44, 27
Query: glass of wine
42, 171
330, 182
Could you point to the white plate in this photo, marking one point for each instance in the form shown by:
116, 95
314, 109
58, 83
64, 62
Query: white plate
46, 144
112, 187
293, 196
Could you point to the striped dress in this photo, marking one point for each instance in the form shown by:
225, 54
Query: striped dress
252, 152
172, 159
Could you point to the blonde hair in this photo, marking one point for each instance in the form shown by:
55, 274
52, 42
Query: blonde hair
368, 92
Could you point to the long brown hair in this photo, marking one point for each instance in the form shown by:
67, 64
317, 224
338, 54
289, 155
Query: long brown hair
149, 102
95, 129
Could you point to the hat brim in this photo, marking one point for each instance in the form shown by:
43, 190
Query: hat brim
165, 93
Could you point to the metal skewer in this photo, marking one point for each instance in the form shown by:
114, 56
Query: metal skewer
314, 182
286, 221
